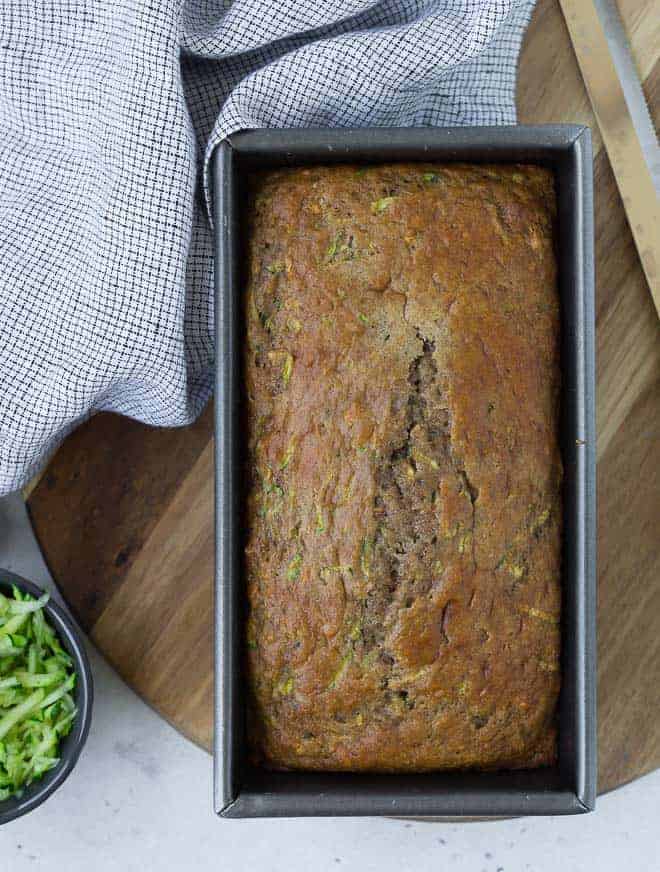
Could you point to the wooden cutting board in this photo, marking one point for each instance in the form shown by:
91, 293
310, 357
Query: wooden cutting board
124, 513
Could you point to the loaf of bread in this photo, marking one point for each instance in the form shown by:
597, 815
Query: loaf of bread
403, 472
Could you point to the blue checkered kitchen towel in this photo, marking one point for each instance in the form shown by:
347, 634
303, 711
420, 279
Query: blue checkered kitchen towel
109, 110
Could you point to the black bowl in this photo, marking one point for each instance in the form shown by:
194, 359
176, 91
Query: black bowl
71, 745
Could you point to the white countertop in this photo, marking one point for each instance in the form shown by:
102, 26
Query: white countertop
140, 800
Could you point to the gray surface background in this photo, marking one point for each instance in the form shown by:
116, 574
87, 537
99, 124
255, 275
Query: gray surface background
140, 800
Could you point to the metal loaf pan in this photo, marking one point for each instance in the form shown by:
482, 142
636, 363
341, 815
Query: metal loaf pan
242, 790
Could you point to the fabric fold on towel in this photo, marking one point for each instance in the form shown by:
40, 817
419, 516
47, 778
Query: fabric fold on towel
110, 112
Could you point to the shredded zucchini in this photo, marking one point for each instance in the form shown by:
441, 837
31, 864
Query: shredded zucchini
293, 570
382, 204
36, 681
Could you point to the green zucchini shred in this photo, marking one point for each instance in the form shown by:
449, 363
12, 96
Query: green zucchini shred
366, 554
380, 205
287, 368
293, 570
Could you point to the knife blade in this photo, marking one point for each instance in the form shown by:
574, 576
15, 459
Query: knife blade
617, 41
616, 95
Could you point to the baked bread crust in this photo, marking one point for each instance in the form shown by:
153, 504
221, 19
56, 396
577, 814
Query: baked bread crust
404, 474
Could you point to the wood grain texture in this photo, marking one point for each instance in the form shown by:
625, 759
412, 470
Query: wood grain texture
124, 513
100, 498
